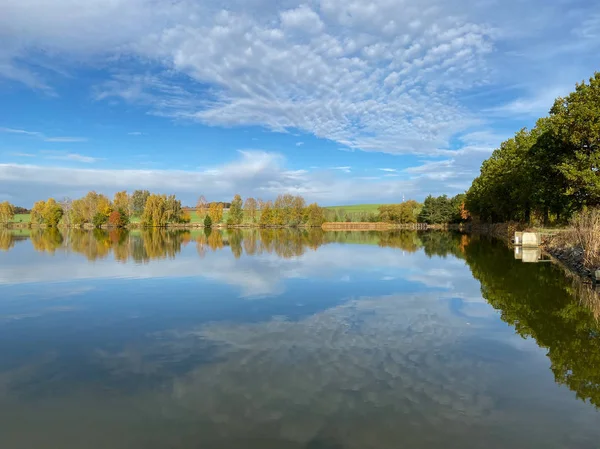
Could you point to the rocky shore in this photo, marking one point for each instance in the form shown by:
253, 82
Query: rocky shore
570, 256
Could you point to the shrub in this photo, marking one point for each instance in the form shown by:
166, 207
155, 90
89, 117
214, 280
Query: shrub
185, 217
117, 218
207, 222
99, 219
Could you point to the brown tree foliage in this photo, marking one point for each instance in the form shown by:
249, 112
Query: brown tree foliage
201, 206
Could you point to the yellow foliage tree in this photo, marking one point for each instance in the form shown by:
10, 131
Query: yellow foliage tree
215, 212
7, 212
155, 211
121, 202
104, 206
37, 213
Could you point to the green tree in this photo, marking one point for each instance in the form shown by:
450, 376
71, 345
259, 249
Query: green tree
100, 219
207, 222
575, 121
314, 215
236, 213
267, 216
173, 209
138, 202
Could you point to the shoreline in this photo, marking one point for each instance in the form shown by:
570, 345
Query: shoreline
564, 253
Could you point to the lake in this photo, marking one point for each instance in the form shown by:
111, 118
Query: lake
291, 339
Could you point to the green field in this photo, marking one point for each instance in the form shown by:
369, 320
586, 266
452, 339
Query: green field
353, 212
357, 208
21, 218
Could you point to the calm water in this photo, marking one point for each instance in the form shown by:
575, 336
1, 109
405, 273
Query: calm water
282, 339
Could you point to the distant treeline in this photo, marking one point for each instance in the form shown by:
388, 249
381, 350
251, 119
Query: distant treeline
547, 173
434, 210
148, 209
151, 209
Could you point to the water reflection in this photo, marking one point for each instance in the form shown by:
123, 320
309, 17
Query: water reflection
142, 246
291, 339
561, 314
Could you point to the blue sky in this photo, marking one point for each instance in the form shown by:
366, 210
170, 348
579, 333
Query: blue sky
341, 101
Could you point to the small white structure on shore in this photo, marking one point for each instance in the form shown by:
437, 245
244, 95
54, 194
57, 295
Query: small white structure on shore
528, 254
527, 239
598, 275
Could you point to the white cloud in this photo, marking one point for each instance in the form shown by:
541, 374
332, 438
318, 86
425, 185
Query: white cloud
299, 144
20, 154
384, 76
65, 139
391, 170
135, 133
42, 136
344, 169
74, 157
254, 173
361, 75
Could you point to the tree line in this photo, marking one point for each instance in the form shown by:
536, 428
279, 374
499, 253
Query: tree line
547, 173
151, 209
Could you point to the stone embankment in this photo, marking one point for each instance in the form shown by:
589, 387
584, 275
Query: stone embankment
570, 256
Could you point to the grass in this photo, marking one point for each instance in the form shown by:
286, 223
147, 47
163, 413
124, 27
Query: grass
21, 218
357, 208
586, 233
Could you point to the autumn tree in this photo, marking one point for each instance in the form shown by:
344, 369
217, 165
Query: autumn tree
116, 219
201, 206
215, 212
52, 213
37, 212
236, 213
173, 209
7, 212
267, 217
250, 207
155, 211
121, 202
314, 215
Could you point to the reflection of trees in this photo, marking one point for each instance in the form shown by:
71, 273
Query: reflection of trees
93, 245
159, 243
46, 240
541, 303
404, 240
235, 242
285, 243
442, 244
125, 245
7, 240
